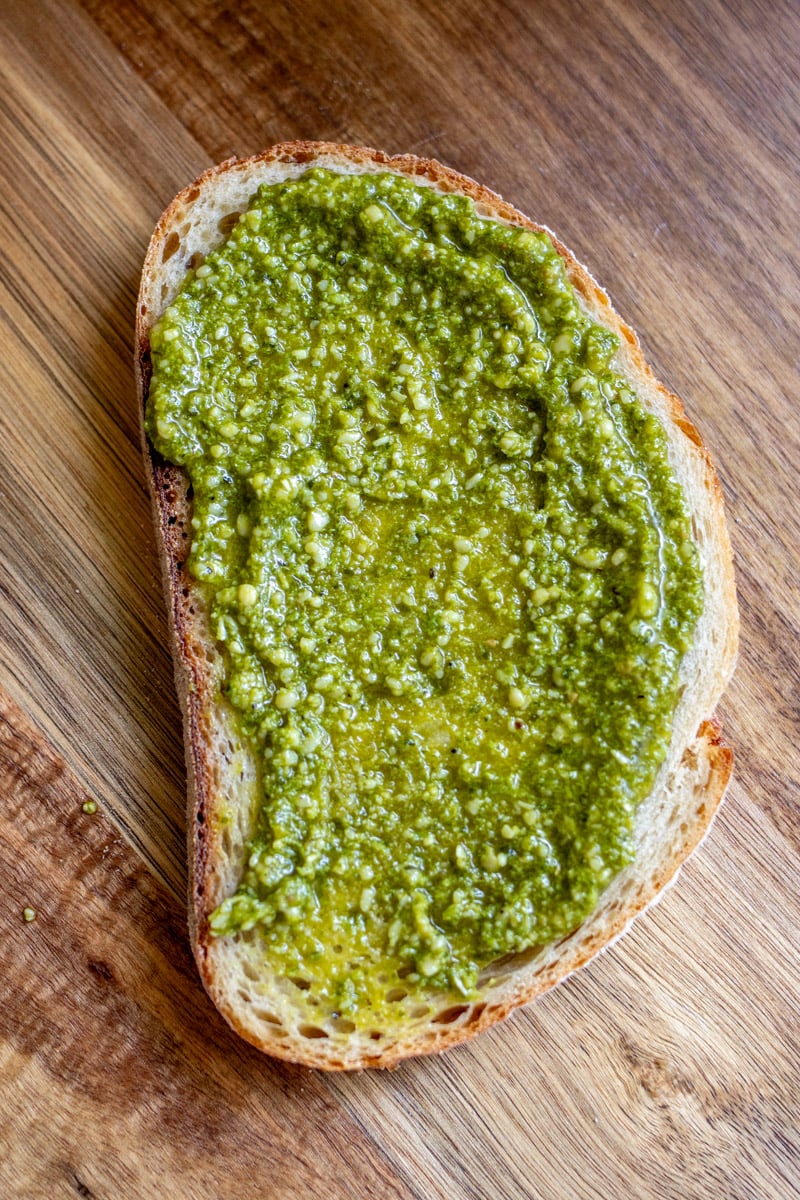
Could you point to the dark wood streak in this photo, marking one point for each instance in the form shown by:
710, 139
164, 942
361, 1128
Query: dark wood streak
660, 140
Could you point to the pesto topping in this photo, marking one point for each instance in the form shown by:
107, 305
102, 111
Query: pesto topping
449, 566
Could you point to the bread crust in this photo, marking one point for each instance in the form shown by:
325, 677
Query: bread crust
670, 823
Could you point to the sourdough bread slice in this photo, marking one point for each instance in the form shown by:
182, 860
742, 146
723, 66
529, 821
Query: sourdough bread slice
282, 1016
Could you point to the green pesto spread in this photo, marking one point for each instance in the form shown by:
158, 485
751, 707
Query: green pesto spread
450, 569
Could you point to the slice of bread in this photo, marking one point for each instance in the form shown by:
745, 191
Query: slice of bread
282, 1016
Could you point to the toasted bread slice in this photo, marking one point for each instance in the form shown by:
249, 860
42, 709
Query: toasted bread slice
273, 1012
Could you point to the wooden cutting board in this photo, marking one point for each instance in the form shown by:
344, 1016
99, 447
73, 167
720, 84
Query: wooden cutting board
661, 142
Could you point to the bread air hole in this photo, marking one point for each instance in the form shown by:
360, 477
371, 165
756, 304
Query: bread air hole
476, 1014
171, 246
226, 223
449, 1015
342, 1025
311, 1031
501, 968
395, 994
269, 1017
303, 984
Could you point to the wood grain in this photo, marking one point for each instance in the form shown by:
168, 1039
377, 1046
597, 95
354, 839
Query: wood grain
117, 1072
661, 141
